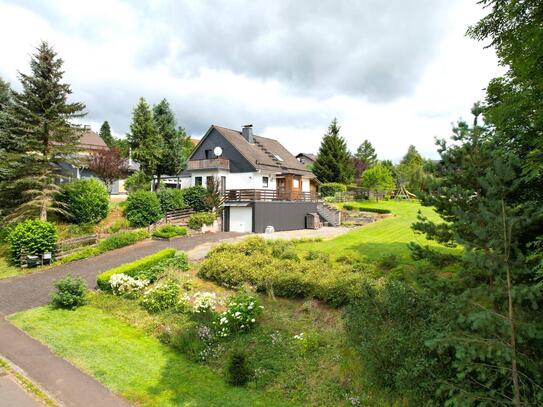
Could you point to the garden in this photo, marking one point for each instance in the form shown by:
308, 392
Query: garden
86, 223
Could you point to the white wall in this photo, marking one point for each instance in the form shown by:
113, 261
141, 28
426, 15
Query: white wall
241, 219
240, 180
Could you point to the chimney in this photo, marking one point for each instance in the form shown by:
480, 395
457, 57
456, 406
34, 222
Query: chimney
247, 132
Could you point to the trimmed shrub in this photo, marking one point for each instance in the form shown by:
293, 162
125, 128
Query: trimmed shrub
32, 237
138, 181
195, 198
374, 210
348, 207
162, 296
169, 231
332, 188
122, 239
85, 200
137, 268
170, 199
238, 372
142, 208
70, 292
197, 220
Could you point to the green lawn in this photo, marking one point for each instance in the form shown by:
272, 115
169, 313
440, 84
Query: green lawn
131, 363
382, 237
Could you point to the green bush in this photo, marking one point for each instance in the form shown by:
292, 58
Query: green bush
119, 224
238, 372
348, 207
162, 296
374, 210
187, 341
136, 268
84, 200
332, 188
389, 261
169, 231
195, 198
170, 199
138, 181
121, 239
32, 237
252, 261
389, 325
142, 208
197, 220
70, 292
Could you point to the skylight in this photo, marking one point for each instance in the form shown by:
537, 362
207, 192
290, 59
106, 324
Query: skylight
277, 157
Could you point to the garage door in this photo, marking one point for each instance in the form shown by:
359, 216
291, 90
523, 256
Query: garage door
241, 219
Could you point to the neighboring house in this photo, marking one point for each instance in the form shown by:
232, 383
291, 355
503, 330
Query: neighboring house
307, 159
263, 183
90, 142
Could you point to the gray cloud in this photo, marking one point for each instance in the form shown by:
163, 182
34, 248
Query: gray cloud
375, 49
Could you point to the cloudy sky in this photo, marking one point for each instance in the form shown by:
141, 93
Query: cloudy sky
396, 72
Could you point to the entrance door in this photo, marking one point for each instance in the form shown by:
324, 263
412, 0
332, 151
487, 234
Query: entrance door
280, 188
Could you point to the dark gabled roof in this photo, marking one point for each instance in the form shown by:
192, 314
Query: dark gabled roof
264, 154
312, 157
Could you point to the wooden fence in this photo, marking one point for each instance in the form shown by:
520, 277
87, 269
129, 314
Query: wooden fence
67, 246
175, 217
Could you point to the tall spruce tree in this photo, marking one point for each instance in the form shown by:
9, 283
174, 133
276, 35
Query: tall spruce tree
489, 190
144, 140
39, 137
333, 163
105, 134
5, 94
366, 153
173, 138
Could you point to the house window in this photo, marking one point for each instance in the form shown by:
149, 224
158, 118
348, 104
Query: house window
198, 181
209, 154
295, 183
264, 182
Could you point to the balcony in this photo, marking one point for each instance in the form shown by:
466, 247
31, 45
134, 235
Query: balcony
209, 164
249, 195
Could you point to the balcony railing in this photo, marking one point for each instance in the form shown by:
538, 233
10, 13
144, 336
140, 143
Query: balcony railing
244, 195
209, 163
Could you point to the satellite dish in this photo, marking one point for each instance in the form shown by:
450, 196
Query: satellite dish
217, 151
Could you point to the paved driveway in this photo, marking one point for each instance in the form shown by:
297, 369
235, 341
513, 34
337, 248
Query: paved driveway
62, 380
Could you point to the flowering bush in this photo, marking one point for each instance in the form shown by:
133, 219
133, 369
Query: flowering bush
241, 314
162, 296
204, 302
127, 286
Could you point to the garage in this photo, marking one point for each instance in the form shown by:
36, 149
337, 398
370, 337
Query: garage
240, 219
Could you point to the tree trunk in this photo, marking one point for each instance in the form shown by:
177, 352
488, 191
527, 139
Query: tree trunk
510, 312
157, 185
43, 213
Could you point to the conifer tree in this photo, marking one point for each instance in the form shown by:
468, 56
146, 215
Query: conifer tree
366, 153
39, 137
174, 140
105, 134
144, 140
333, 163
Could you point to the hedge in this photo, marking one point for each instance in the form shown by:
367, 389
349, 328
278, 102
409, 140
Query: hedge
170, 199
134, 267
332, 188
374, 210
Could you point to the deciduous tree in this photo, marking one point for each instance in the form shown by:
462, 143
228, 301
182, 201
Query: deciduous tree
108, 165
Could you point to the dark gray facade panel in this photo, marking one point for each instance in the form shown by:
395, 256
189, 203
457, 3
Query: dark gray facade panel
237, 162
281, 215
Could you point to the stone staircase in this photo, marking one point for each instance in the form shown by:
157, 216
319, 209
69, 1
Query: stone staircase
329, 214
